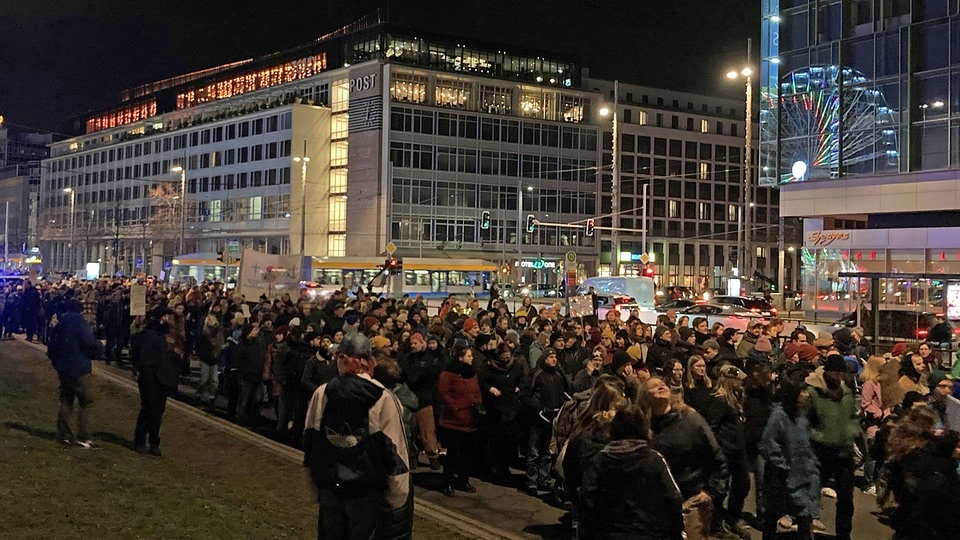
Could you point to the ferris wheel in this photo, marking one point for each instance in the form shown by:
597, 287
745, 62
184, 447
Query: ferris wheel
820, 117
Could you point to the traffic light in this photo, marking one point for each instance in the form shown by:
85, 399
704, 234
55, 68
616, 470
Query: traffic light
485, 220
394, 265
591, 224
648, 271
531, 223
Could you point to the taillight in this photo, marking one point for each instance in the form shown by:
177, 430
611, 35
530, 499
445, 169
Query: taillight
922, 333
755, 310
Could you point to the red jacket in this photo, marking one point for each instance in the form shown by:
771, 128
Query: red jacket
460, 399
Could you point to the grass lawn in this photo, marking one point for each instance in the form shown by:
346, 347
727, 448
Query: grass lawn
207, 485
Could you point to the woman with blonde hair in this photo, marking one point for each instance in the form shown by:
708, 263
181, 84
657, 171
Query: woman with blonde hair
872, 414
697, 385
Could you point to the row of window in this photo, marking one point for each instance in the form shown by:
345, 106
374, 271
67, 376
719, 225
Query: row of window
467, 126
452, 234
490, 162
411, 191
243, 128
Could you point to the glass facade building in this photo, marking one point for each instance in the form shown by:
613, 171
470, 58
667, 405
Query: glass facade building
859, 126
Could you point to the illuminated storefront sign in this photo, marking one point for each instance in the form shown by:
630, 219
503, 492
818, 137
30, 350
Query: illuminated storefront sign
537, 264
823, 239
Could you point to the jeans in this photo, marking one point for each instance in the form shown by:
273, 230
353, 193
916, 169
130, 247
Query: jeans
353, 519
249, 407
74, 390
539, 459
837, 462
209, 381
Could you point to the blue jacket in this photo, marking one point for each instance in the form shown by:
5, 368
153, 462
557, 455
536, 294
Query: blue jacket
786, 446
74, 345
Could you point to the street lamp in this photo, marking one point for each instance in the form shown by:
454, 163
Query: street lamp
183, 202
303, 197
73, 204
745, 262
615, 184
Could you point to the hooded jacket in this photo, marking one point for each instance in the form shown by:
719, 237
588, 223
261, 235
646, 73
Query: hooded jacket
785, 446
634, 494
347, 399
834, 413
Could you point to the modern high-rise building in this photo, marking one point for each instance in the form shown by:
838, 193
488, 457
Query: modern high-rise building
376, 135
859, 128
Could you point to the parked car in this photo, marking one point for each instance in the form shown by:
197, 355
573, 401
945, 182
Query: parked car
756, 305
901, 324
676, 304
728, 315
542, 290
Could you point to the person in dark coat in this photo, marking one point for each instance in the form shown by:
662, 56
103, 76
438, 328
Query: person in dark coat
30, 309
691, 451
116, 322
458, 396
422, 367
157, 370
922, 475
250, 356
542, 397
73, 346
500, 385
634, 494
661, 350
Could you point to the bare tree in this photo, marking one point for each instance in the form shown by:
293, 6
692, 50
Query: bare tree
165, 212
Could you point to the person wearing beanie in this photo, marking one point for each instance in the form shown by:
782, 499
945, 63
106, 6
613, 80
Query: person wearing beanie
350, 403
542, 396
661, 350
913, 374
371, 325
760, 353
833, 431
381, 344
750, 337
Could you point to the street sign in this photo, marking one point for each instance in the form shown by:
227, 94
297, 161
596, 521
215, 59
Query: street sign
644, 258
571, 257
391, 248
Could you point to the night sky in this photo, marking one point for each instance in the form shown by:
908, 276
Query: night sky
59, 58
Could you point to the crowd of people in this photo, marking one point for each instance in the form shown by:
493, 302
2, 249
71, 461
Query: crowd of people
645, 430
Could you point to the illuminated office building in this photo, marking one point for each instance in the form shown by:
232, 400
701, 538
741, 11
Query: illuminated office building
859, 128
410, 138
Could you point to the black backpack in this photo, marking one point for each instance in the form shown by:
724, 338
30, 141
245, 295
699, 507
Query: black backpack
345, 458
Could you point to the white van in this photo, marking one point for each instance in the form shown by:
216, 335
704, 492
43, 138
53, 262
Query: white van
641, 289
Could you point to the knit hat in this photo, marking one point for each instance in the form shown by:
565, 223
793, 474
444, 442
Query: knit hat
295, 321
470, 324
936, 376
555, 336
754, 323
823, 342
547, 352
711, 344
608, 333
685, 333
807, 352
433, 337
635, 352
763, 345
835, 363
620, 359
370, 321
355, 344
513, 337
417, 337
899, 349
380, 342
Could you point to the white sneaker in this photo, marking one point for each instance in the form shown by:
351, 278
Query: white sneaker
828, 492
87, 444
871, 491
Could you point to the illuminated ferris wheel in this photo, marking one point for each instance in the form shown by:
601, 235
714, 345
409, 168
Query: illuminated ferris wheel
821, 122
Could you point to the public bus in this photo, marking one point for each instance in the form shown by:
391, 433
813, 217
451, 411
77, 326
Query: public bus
194, 268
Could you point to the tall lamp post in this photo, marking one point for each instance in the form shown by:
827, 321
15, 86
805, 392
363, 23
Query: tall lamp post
183, 202
303, 197
745, 262
73, 205
615, 184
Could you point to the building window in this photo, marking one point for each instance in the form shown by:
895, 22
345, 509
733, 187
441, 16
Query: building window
408, 88
341, 96
338, 181
704, 211
338, 213
704, 171
674, 209
496, 99
453, 93
338, 153
732, 212
339, 124
704, 126
337, 245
